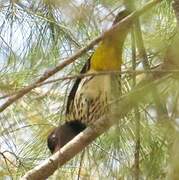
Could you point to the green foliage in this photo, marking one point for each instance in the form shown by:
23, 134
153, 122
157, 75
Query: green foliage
36, 36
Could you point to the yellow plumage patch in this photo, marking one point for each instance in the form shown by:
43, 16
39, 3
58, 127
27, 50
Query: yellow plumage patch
108, 55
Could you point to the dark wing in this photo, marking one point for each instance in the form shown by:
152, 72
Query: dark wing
86, 67
72, 93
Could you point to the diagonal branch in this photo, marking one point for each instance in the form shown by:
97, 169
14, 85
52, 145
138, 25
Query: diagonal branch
124, 105
119, 26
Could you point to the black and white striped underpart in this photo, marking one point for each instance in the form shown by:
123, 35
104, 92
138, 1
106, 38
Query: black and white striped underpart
93, 97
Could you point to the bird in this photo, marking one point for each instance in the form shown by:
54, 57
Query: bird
89, 97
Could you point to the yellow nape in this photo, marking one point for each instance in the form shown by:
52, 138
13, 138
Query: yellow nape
107, 57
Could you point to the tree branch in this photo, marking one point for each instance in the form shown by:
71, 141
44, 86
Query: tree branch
124, 105
126, 22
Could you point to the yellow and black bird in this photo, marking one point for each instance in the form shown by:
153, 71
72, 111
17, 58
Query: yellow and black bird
89, 96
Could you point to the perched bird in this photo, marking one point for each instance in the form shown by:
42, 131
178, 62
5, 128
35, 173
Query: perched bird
89, 97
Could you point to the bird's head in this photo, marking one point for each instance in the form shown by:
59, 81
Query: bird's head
62, 134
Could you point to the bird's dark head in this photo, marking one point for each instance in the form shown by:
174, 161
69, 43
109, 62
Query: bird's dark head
121, 15
62, 134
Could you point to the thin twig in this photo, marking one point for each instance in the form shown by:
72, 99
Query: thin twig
81, 162
71, 77
137, 116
